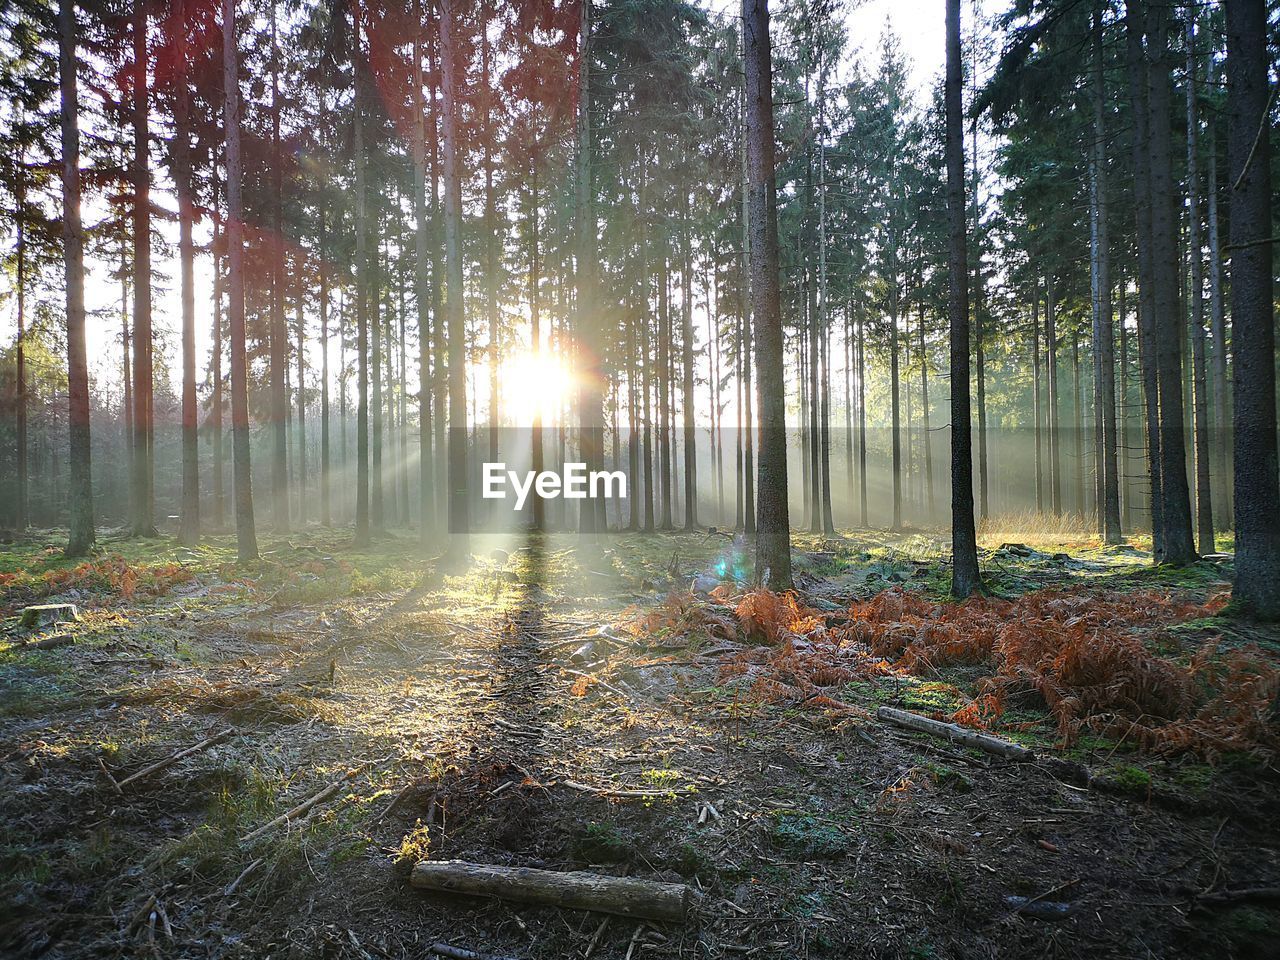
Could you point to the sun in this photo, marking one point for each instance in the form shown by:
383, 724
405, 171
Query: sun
533, 383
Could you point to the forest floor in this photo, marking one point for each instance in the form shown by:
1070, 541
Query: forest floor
588, 710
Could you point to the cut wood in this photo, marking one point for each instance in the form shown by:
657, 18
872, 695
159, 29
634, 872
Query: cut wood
46, 614
297, 811
51, 642
955, 733
576, 890
174, 758
623, 793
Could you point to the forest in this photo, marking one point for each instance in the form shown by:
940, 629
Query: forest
515, 479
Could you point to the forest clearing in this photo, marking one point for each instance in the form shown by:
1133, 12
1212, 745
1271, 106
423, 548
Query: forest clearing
547, 711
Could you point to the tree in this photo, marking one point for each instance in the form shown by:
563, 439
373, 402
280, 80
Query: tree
246, 534
189, 532
773, 534
1257, 480
459, 506
143, 377
81, 492
965, 578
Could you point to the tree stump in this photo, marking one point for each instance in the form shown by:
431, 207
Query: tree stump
47, 614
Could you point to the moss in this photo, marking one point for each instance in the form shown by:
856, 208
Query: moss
802, 834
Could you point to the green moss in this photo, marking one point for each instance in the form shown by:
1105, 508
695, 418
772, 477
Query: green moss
802, 834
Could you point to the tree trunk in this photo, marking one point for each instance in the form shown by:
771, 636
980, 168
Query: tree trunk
362, 533
189, 531
459, 506
143, 405
965, 578
81, 491
1257, 485
246, 536
1179, 547
1054, 411
301, 333
1200, 400
1035, 400
1104, 369
686, 364
773, 535
278, 335
1218, 321
1135, 13
216, 399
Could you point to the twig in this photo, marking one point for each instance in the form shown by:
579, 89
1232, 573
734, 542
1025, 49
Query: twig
595, 939
231, 887
174, 758
297, 811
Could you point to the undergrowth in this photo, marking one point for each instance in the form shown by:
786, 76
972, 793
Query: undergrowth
1076, 653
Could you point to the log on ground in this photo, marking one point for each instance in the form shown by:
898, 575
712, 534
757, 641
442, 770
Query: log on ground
576, 890
955, 733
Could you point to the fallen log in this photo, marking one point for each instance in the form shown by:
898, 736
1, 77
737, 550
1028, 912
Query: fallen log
173, 758
955, 733
575, 890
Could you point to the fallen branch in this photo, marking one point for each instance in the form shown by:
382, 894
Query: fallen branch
955, 733
576, 890
460, 953
173, 758
636, 794
1240, 895
302, 808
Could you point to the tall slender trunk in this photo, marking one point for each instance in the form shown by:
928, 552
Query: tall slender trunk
459, 506
21, 518
1200, 400
362, 533
773, 535
326, 507
189, 531
216, 399
1220, 441
1104, 368
143, 404
1054, 411
1135, 15
686, 365
490, 243
246, 536
1257, 484
81, 490
421, 289
924, 419
301, 333
1179, 546
895, 404
278, 335
862, 423
1037, 412
965, 578
1124, 434
377, 491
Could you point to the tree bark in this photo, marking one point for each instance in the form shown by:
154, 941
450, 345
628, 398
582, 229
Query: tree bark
81, 491
246, 535
278, 336
965, 578
1200, 400
1179, 546
189, 531
1257, 481
773, 535
459, 506
143, 405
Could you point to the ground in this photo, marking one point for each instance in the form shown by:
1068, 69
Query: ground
570, 706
